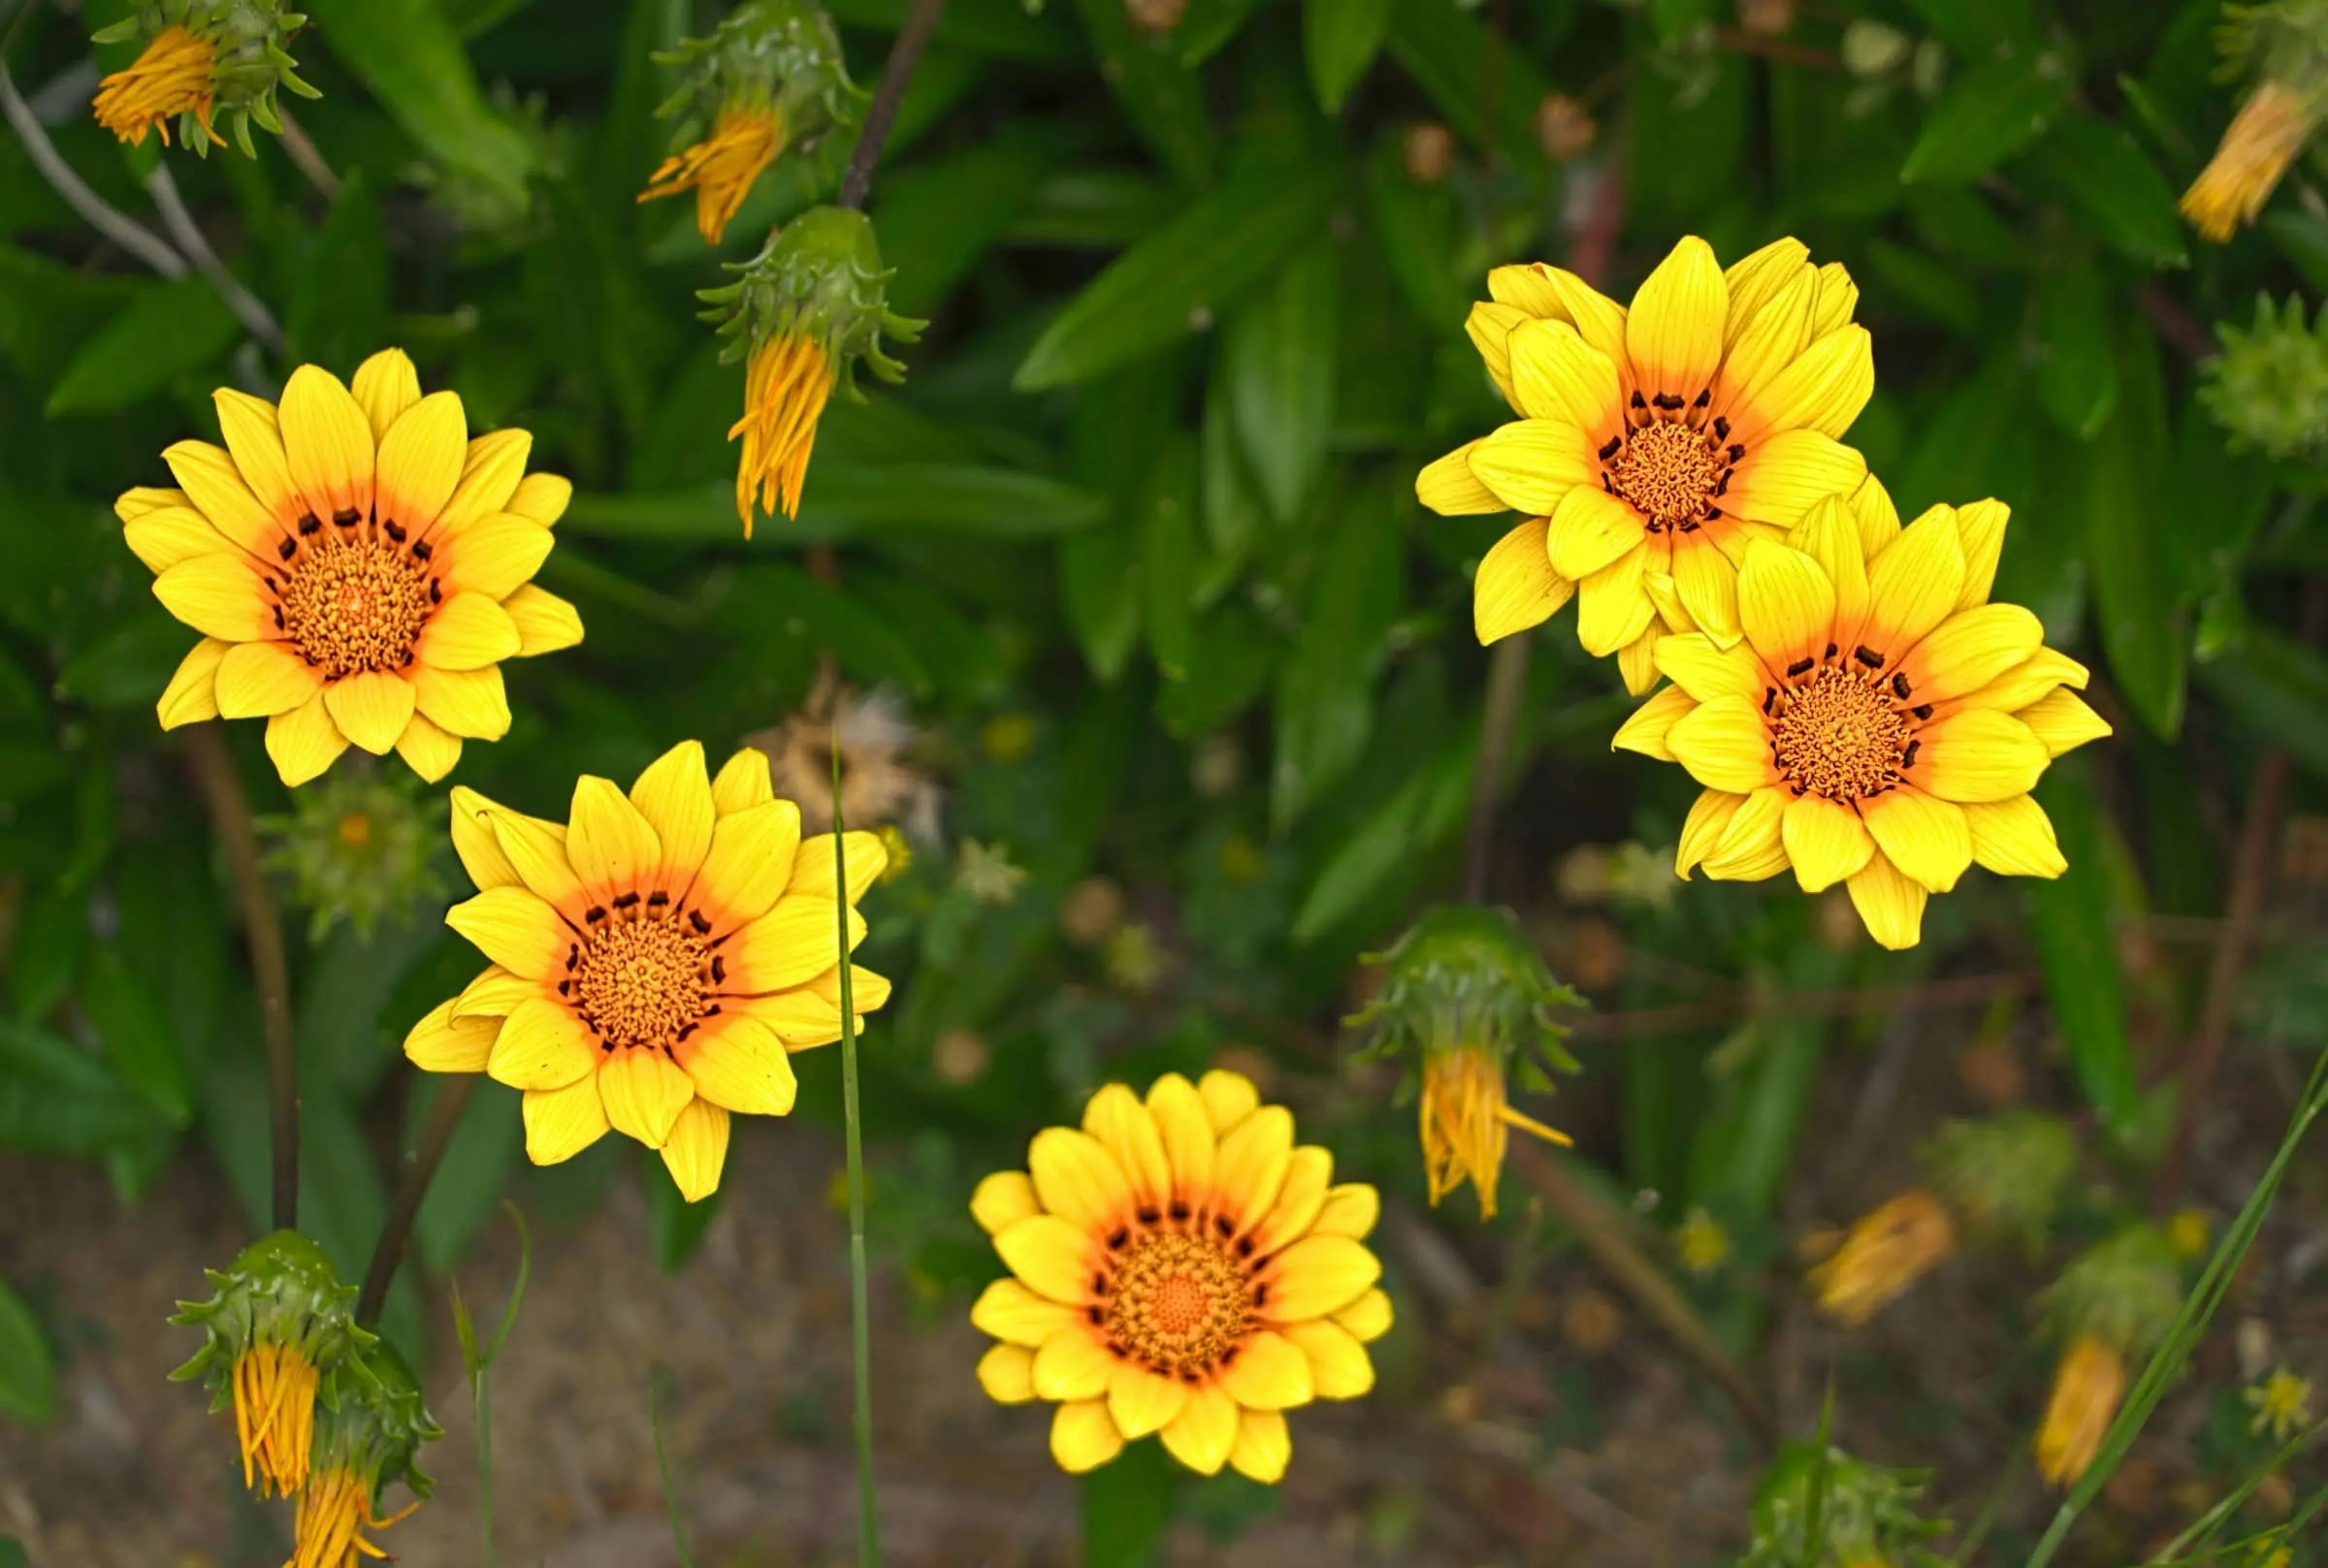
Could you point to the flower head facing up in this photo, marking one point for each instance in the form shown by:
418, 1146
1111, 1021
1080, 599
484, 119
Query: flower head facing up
808, 308
1880, 725
358, 566
656, 958
1179, 1268
1886, 1250
1653, 443
770, 77
1865, 1514
199, 57
368, 1438
278, 1323
1467, 993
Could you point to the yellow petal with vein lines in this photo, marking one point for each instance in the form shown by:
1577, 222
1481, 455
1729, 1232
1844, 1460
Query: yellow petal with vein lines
1980, 534
536, 850
1707, 586
1782, 475
1124, 1127
384, 386
467, 631
420, 461
371, 708
1970, 649
471, 703
2062, 721
1829, 535
493, 994
2030, 681
1777, 331
1878, 519
1599, 320
1701, 831
1300, 1199
1141, 1401
1338, 1367
1489, 326
1979, 756
697, 1150
1913, 585
1927, 838
1589, 530
1889, 905
1838, 298
1823, 388
1185, 1128
250, 428
1264, 1446
742, 781
541, 1046
816, 869
1229, 1098
609, 842
428, 750
744, 1067
514, 927
1448, 486
1645, 731
1753, 844
490, 472
1825, 842
675, 796
644, 1091
1051, 1256
1556, 376
1527, 287
329, 442
1725, 744
440, 1043
542, 497
1636, 661
1693, 661
1673, 333
1083, 1437
1516, 587
192, 694
1003, 1199
1080, 1181
1531, 464
1350, 1209
1785, 604
474, 840
1612, 604
792, 943
561, 1123
214, 486
1016, 1316
1205, 1431
1271, 1373
1071, 1364
1753, 279
138, 499
1007, 1372
259, 680
1317, 1275
218, 595
1369, 1317
303, 742
751, 857
495, 556
2015, 837
1250, 1169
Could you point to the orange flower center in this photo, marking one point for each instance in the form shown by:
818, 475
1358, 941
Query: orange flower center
351, 600
1837, 735
1671, 464
1178, 1304
640, 977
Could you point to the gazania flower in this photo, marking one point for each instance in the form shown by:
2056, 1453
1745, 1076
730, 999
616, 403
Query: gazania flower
367, 1439
1653, 443
278, 1323
358, 566
1886, 1250
2113, 1304
1882, 723
720, 169
2263, 138
199, 58
1179, 1268
2089, 1383
654, 959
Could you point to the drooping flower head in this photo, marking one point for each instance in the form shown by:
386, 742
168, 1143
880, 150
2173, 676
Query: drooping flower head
278, 1321
812, 303
2284, 43
368, 1438
2112, 1304
1653, 444
198, 58
358, 567
1886, 1250
357, 848
656, 958
1880, 725
770, 77
1465, 992
1865, 1514
1178, 1267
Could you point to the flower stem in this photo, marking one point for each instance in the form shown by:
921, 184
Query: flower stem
222, 795
411, 1187
904, 55
99, 214
1506, 681
861, 1332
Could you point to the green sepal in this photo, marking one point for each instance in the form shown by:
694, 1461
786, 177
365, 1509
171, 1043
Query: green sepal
372, 1420
783, 56
280, 1290
819, 278
2124, 1291
248, 60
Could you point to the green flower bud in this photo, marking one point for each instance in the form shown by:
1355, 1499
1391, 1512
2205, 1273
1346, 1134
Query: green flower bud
1867, 1514
375, 1420
1467, 977
2269, 387
357, 848
768, 55
819, 278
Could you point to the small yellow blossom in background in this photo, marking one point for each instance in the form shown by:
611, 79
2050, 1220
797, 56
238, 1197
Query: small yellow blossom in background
1886, 1250
1179, 1268
656, 960
1881, 723
899, 849
1007, 736
1564, 127
1653, 444
1701, 1242
1133, 958
2186, 1233
2281, 1402
368, 1438
358, 567
198, 59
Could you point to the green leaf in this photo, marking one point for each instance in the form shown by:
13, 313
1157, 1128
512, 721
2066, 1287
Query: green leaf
936, 219
1448, 50
137, 1038
1231, 661
1416, 227
12, 1553
338, 309
1209, 27
487, 1147
1233, 508
2095, 169
128, 664
846, 502
2077, 371
48, 309
1008, 29
1176, 278
410, 59
1977, 27
1168, 561
1099, 588
1325, 694
1162, 97
1423, 811
58, 1099
164, 332
27, 1375
2281, 687
1988, 115
784, 607
2138, 605
1279, 361
2070, 918
1341, 38
1126, 1505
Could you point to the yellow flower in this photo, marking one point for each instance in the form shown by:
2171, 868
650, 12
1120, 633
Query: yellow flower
171, 76
1882, 723
1654, 444
1465, 1121
357, 565
786, 388
2087, 1384
2265, 136
721, 168
1183, 1269
2187, 1232
1702, 1243
333, 1510
2281, 1402
1889, 1249
654, 959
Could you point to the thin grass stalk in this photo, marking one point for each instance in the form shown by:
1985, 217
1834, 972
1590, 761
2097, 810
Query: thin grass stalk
478, 1362
860, 1329
663, 1467
2203, 1528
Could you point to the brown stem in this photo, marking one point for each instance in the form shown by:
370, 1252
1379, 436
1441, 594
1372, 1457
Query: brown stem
1603, 1235
1506, 683
904, 55
2177, 325
308, 156
221, 788
1967, 990
1739, 42
411, 1187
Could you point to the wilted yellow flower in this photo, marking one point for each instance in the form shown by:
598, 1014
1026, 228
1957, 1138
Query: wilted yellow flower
367, 1439
171, 76
1653, 443
2281, 1402
655, 960
1181, 1267
785, 391
2265, 136
721, 168
1466, 1122
358, 566
1881, 725
198, 59
1889, 1249
2087, 1385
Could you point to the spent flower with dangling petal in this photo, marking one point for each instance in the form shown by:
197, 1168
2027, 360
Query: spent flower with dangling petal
1865, 1514
2268, 388
2285, 45
2113, 1304
808, 308
1466, 994
771, 77
199, 59
278, 1323
368, 1438
356, 847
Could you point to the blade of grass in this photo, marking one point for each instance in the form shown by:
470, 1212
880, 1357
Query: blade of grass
1814, 1517
860, 1333
663, 1464
477, 1363
2202, 1529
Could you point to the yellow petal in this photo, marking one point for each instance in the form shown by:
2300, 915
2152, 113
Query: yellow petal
493, 994
816, 869
384, 386
514, 927
1300, 1200
1003, 1199
1350, 1209
742, 782
1229, 1099
329, 442
1317, 1275
1980, 534
1697, 666
1636, 661
471, 703
259, 680
1186, 1130
1251, 1165
1516, 587
2015, 837
1338, 1367
490, 473
138, 499
696, 1151
1782, 475
1969, 650
1823, 388
1080, 1181
1141, 1401
2029, 681
609, 842
1755, 279
1052, 1256
467, 631
474, 840
1725, 744
541, 496
1070, 1364
675, 796
1202, 1435
1555, 374
1016, 1316
371, 708
2062, 722
1763, 345
1913, 585
495, 556
428, 750
1707, 585
536, 852
1878, 519
1264, 1447
166, 535
1448, 486
1701, 831
1121, 1123
645, 1090
1007, 1372
303, 742
441, 1043
1490, 327
1083, 1437
216, 488
1673, 333
1786, 605
1645, 731
1270, 1373
811, 1015
1753, 844
192, 694
1369, 1318
1979, 756
750, 860
218, 595
1599, 320
1928, 840
541, 1046
1589, 530
1829, 535
420, 462
743, 1067
1825, 842
1612, 606
1891, 906
790, 945
1531, 464
1528, 288
1838, 298
561, 1123
544, 622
